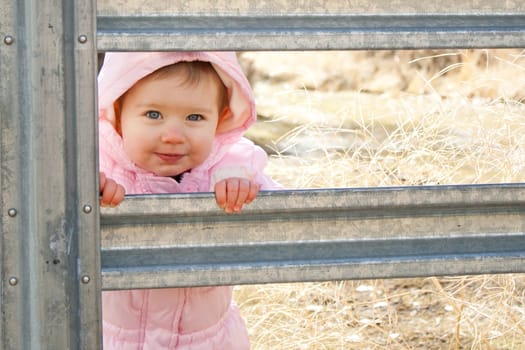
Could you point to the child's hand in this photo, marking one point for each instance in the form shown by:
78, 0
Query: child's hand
111, 193
231, 194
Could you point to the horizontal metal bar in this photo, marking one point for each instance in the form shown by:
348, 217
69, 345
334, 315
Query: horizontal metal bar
306, 7
315, 32
312, 235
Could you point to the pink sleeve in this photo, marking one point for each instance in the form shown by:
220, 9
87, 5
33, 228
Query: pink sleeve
245, 160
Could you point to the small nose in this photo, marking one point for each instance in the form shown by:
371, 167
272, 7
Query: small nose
172, 134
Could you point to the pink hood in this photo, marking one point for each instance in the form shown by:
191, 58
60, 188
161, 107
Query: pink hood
121, 70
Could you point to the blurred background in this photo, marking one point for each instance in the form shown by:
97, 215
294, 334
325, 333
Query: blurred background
389, 118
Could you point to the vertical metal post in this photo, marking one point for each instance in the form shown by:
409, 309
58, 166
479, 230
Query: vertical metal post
49, 241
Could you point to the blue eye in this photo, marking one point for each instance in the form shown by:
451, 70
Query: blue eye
153, 114
194, 117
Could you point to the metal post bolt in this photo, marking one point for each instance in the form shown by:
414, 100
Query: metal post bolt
8, 40
87, 209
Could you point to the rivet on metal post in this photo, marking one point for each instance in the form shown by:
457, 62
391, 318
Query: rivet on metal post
85, 279
8, 40
13, 281
12, 212
82, 38
87, 209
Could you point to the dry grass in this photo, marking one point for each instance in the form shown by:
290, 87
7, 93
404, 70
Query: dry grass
344, 119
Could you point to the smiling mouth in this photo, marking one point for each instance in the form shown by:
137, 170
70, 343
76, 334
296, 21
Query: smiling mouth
169, 158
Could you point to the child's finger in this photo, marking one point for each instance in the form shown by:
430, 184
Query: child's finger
119, 196
102, 181
243, 192
220, 193
112, 193
252, 193
107, 192
239, 194
232, 192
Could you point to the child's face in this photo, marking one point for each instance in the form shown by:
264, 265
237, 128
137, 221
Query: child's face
168, 126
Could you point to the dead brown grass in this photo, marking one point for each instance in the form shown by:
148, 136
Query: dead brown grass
341, 119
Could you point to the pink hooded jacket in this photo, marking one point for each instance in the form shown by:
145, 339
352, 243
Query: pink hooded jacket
177, 318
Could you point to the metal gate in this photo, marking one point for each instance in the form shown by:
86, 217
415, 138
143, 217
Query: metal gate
59, 250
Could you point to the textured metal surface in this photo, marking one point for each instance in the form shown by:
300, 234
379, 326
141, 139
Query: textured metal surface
308, 25
48, 163
315, 235
306, 7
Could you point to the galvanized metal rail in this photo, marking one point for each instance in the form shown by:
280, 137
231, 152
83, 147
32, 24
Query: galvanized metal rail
314, 32
50, 261
185, 240
325, 25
